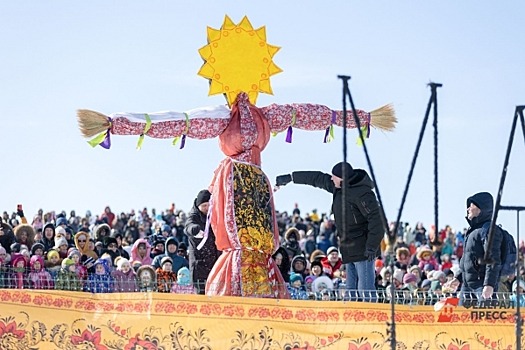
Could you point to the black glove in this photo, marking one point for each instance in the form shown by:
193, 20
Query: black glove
370, 254
282, 180
20, 213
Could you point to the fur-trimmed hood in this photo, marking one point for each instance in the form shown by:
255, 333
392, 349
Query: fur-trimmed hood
292, 231
98, 232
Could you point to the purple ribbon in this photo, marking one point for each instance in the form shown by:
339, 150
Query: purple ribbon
327, 131
183, 141
368, 126
289, 135
106, 143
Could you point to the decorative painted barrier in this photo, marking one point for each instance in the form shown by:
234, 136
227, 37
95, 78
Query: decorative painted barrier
42, 319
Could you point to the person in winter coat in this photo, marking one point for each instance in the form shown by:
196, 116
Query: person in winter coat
18, 278
125, 277
282, 260
171, 249
202, 252
67, 277
48, 237
183, 285
479, 278
141, 251
38, 277
332, 263
4, 267
165, 275
25, 234
291, 242
81, 240
299, 266
363, 230
101, 281
147, 279
7, 237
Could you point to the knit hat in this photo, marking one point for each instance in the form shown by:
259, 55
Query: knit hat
73, 252
409, 277
67, 262
424, 251
60, 231
61, 221
309, 279
296, 277
426, 284
428, 267
87, 260
166, 228
165, 260
183, 276
378, 264
202, 197
121, 261
331, 249
337, 170
398, 275
515, 285
51, 253
316, 263
36, 246
109, 240
60, 241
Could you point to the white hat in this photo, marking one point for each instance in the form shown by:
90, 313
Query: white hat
515, 285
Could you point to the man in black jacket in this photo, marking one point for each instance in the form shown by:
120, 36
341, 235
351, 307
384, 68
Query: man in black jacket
202, 258
480, 278
361, 235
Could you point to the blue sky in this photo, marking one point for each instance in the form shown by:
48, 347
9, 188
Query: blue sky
141, 56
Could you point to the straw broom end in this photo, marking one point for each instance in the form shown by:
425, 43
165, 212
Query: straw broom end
92, 123
384, 118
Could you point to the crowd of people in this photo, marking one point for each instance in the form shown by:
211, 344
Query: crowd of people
144, 250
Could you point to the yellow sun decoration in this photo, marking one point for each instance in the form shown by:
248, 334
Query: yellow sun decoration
238, 59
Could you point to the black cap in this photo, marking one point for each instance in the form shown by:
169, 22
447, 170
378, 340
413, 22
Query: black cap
202, 197
337, 170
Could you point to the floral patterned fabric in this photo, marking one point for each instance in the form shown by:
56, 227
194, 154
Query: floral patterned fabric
174, 321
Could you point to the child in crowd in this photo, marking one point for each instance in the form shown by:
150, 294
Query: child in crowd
323, 287
316, 269
38, 277
165, 275
426, 256
308, 281
183, 283
80, 268
19, 272
125, 277
67, 277
299, 266
61, 246
141, 251
445, 262
101, 281
53, 263
514, 297
37, 249
4, 262
146, 278
296, 288
402, 257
